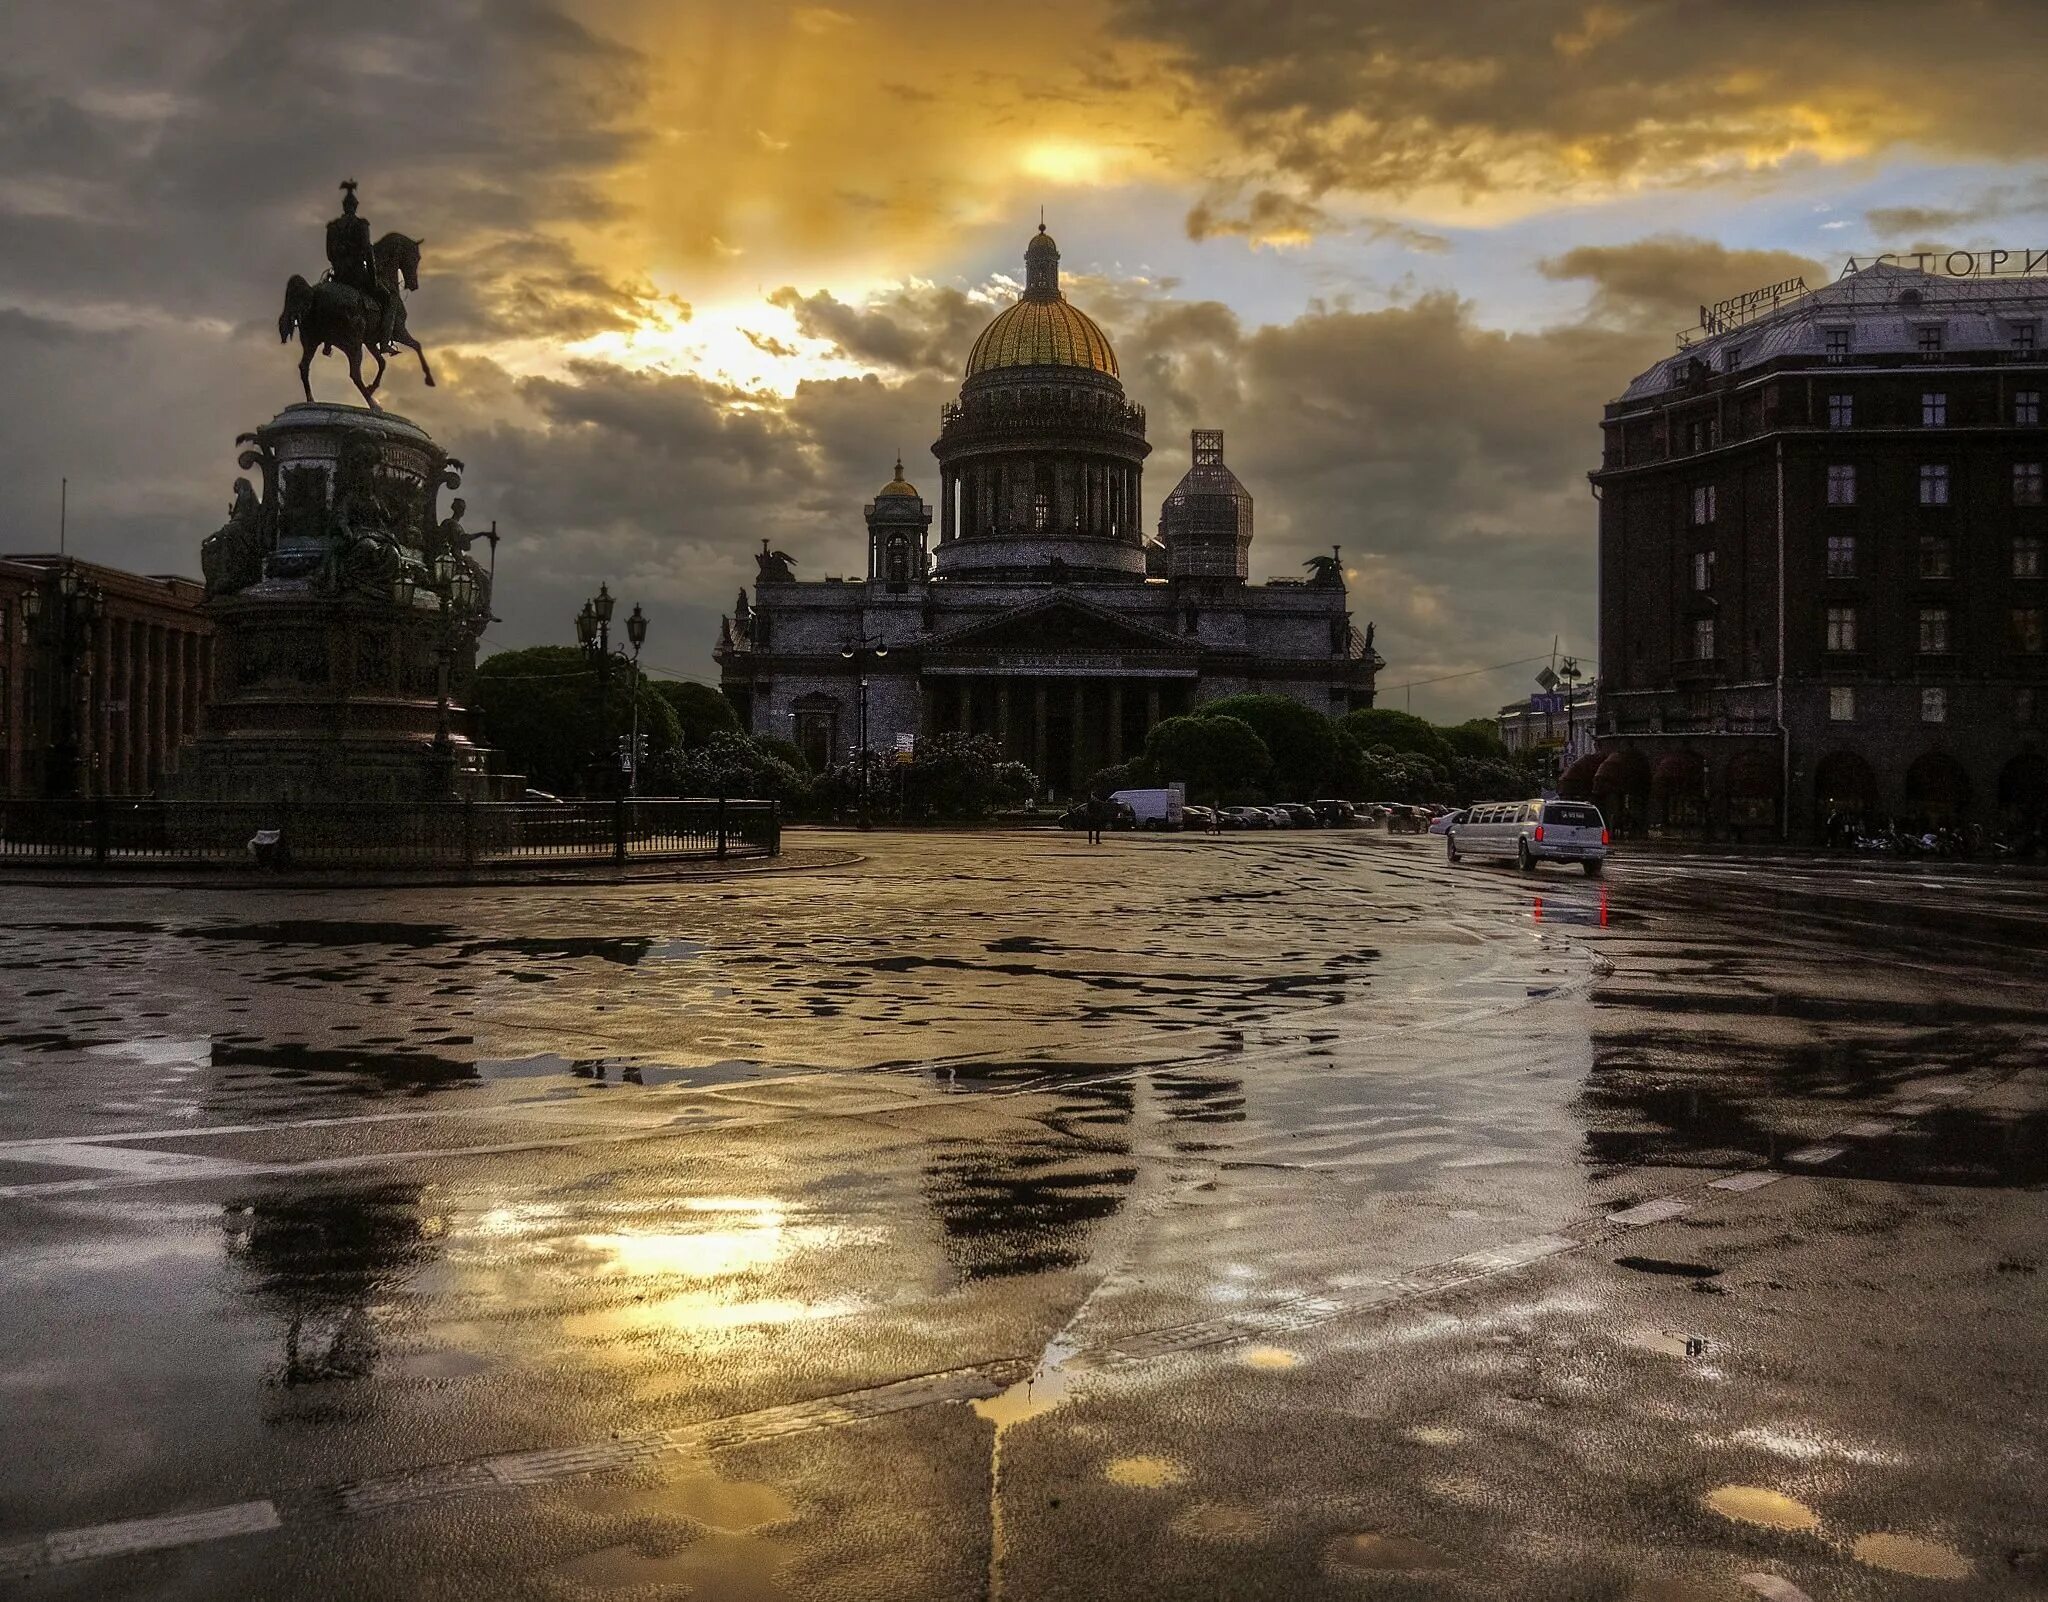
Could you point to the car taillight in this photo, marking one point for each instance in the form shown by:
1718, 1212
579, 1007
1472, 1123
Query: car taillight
1539, 834
1603, 838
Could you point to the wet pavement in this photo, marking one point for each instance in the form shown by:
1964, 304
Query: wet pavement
1265, 1216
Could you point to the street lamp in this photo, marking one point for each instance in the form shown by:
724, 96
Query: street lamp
594, 634
636, 631
859, 652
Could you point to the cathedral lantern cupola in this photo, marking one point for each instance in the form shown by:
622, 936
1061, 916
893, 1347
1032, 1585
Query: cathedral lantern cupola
1041, 459
899, 535
1205, 525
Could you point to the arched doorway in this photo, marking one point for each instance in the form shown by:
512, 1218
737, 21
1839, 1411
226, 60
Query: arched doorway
1576, 782
1937, 791
1621, 786
1678, 791
2023, 794
1844, 795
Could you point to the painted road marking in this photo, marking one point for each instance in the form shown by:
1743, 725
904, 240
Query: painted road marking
1869, 1129
1650, 1212
1751, 1179
144, 1535
1809, 1156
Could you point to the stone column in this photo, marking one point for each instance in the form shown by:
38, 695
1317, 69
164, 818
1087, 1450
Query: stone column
1078, 754
1116, 722
1151, 705
153, 725
1038, 730
1003, 715
102, 717
131, 707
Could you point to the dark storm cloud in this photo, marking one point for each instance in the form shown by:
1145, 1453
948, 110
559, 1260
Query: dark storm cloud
1897, 224
1388, 96
1660, 283
918, 328
1269, 216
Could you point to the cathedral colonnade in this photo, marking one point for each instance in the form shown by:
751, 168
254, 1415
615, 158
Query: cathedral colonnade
1064, 727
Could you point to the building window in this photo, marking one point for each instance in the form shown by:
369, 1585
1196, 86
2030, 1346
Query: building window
1731, 359
1703, 570
1702, 505
1928, 340
1841, 703
2026, 556
1936, 557
2024, 336
1706, 433
1703, 640
1841, 486
1934, 704
1838, 344
1934, 639
1841, 556
1934, 410
1841, 628
1041, 511
2026, 483
2026, 408
2028, 634
1933, 486
1841, 411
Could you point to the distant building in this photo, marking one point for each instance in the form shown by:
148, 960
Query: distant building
1523, 727
102, 673
1041, 615
1824, 565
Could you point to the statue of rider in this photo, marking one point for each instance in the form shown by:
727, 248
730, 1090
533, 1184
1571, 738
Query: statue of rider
351, 262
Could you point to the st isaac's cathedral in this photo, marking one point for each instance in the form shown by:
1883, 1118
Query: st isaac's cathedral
1042, 616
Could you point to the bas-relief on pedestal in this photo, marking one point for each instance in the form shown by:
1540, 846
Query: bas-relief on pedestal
337, 595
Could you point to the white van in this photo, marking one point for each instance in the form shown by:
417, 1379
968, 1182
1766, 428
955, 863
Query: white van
1154, 809
1529, 832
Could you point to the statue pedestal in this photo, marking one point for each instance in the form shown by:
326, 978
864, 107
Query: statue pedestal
335, 637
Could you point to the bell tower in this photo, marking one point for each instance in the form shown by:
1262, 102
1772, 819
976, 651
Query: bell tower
899, 536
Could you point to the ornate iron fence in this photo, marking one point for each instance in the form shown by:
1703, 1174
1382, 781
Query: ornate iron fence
488, 835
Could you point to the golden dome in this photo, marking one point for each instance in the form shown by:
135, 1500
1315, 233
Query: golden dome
1042, 329
899, 485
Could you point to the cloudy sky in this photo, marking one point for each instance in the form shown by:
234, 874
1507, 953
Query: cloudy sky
694, 270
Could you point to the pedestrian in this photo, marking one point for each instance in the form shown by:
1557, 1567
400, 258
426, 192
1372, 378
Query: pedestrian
1095, 811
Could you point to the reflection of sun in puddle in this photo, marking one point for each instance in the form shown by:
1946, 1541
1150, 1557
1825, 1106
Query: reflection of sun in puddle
1144, 1473
733, 1568
1228, 1523
1910, 1554
1754, 1504
1386, 1553
1268, 1357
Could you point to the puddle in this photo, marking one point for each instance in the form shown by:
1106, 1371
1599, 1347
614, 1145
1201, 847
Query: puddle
1667, 1343
1144, 1473
1387, 1554
1680, 1591
1756, 1504
1661, 1265
731, 1507
1435, 1434
733, 1568
441, 1365
1270, 1357
1224, 1523
1911, 1554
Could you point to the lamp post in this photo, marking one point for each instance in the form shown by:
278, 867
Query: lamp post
1568, 671
594, 633
67, 624
636, 632
860, 652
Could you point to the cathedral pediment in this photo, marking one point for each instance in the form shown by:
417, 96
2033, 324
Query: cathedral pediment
1059, 623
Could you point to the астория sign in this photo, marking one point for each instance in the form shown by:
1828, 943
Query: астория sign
1959, 263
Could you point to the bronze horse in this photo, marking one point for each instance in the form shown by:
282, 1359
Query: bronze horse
331, 316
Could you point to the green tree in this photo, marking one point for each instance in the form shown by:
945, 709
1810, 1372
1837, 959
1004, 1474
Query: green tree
1476, 740
1398, 731
1220, 759
700, 710
727, 764
1300, 740
540, 707
962, 776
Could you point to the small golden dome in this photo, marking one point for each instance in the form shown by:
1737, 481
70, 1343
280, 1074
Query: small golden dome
899, 485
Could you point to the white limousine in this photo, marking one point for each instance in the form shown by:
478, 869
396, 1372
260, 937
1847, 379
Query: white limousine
1530, 832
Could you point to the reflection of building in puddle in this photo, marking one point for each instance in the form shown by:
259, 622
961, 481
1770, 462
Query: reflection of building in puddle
1025, 1203
321, 1260
1192, 1098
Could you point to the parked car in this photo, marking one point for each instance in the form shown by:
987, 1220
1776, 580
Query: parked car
1302, 817
1447, 821
1244, 818
1277, 818
1337, 814
1529, 832
1405, 819
1202, 818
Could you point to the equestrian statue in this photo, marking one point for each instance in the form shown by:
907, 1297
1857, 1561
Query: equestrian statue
358, 305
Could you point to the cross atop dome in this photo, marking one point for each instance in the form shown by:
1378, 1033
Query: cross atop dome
1041, 267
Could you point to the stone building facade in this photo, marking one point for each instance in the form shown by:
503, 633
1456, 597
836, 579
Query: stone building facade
1823, 577
1040, 615
102, 674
